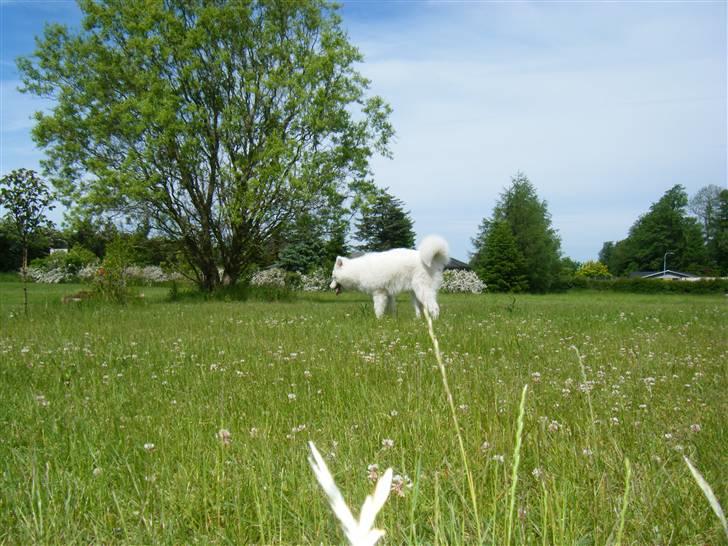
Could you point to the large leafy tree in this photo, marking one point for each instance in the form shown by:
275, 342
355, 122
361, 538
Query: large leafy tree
530, 224
384, 224
709, 206
718, 245
705, 205
665, 230
498, 261
219, 121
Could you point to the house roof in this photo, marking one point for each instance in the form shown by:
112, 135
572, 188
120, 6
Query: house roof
661, 274
456, 264
452, 264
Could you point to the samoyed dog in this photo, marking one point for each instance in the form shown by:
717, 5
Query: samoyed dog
386, 274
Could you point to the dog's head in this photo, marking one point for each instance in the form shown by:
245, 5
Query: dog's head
337, 275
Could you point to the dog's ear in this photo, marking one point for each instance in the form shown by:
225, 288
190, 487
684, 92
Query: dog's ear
339, 261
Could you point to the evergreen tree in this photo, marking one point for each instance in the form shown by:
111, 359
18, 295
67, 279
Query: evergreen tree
384, 224
530, 224
498, 261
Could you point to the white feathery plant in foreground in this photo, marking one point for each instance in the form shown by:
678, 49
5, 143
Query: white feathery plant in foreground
708, 492
358, 533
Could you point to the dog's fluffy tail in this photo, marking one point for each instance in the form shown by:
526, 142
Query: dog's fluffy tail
434, 251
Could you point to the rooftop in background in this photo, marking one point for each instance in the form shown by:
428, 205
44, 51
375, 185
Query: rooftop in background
667, 274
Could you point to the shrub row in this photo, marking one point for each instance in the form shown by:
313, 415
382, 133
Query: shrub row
655, 286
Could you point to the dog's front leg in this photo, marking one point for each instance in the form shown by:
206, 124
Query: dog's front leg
418, 306
380, 303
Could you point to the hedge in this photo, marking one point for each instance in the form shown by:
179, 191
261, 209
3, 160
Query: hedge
655, 286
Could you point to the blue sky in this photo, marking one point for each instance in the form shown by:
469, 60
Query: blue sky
603, 105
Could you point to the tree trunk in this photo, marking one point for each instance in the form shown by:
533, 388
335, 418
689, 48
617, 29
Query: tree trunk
210, 278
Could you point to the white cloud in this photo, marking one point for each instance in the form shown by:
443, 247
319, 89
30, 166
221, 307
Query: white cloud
596, 104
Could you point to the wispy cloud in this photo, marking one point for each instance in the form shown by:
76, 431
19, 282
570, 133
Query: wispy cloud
594, 102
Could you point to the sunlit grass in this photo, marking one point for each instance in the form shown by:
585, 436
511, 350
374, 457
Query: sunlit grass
83, 388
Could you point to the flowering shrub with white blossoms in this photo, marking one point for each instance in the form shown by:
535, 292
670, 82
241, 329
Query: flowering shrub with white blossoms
149, 274
146, 275
315, 282
280, 278
274, 276
462, 281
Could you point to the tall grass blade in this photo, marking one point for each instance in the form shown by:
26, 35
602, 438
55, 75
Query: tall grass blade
516, 462
625, 501
461, 444
708, 492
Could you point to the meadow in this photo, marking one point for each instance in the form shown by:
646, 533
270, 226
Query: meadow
187, 422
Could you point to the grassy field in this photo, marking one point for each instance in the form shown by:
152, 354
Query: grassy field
110, 418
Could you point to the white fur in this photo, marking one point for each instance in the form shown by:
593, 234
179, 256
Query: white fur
386, 274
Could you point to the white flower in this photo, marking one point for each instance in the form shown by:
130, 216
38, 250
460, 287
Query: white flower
387, 443
399, 483
291, 396
695, 427
149, 446
224, 436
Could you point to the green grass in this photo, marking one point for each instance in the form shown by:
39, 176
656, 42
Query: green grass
83, 388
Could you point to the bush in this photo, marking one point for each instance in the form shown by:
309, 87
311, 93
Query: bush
461, 281
318, 281
61, 267
111, 279
593, 270
655, 286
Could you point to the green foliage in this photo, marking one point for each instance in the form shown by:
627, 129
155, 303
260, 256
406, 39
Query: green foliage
72, 261
111, 282
313, 241
530, 224
11, 251
218, 122
665, 228
26, 198
717, 245
498, 261
654, 286
384, 224
593, 270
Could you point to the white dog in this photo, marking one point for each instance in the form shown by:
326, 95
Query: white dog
386, 274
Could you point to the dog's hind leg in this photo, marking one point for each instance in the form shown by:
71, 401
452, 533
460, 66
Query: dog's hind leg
392, 304
380, 303
427, 299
